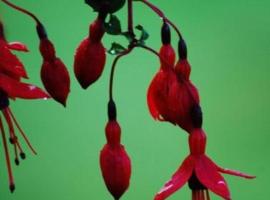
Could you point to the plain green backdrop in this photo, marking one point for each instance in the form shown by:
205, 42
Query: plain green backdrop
229, 49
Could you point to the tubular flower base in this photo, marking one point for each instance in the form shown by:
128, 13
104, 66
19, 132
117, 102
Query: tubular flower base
201, 173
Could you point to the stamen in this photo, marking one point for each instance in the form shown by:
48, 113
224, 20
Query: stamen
22, 154
21, 131
13, 137
207, 195
10, 176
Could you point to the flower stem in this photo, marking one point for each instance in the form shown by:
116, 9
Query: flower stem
23, 11
113, 70
162, 15
130, 17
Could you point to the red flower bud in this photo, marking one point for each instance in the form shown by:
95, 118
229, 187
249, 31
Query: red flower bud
114, 162
90, 56
53, 73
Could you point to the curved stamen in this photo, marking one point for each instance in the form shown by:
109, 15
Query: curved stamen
22, 133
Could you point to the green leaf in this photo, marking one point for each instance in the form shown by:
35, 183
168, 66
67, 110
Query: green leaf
113, 27
144, 35
116, 49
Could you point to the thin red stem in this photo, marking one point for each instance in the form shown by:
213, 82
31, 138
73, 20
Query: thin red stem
22, 133
10, 176
154, 52
162, 15
23, 11
113, 70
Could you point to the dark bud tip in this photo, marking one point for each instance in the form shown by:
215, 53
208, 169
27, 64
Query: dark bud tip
1, 30
182, 49
111, 110
12, 188
165, 34
41, 31
17, 162
196, 116
4, 101
22, 155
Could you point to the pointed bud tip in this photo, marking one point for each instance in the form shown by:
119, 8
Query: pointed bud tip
12, 188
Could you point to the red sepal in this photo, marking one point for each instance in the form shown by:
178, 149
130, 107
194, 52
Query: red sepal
116, 169
89, 62
18, 89
18, 46
177, 181
208, 175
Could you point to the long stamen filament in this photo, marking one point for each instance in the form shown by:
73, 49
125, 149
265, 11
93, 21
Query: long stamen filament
10, 176
22, 133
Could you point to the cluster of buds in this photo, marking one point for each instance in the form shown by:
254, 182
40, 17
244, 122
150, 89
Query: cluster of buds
171, 97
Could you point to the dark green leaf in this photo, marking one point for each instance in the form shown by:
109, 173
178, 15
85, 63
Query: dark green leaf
116, 49
113, 27
144, 35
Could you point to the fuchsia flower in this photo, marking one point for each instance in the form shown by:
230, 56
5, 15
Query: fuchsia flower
115, 163
90, 56
200, 172
11, 72
171, 96
54, 74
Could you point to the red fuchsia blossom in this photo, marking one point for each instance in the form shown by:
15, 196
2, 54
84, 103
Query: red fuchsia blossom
114, 162
200, 172
90, 56
11, 72
170, 96
54, 74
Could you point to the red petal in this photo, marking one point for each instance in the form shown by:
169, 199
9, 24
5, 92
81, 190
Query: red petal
207, 173
9, 63
18, 46
235, 173
180, 177
15, 89
56, 79
151, 100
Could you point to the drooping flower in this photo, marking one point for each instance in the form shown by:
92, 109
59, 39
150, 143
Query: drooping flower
11, 87
54, 74
114, 162
171, 98
200, 172
90, 56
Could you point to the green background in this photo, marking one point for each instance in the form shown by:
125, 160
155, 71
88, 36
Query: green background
229, 49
